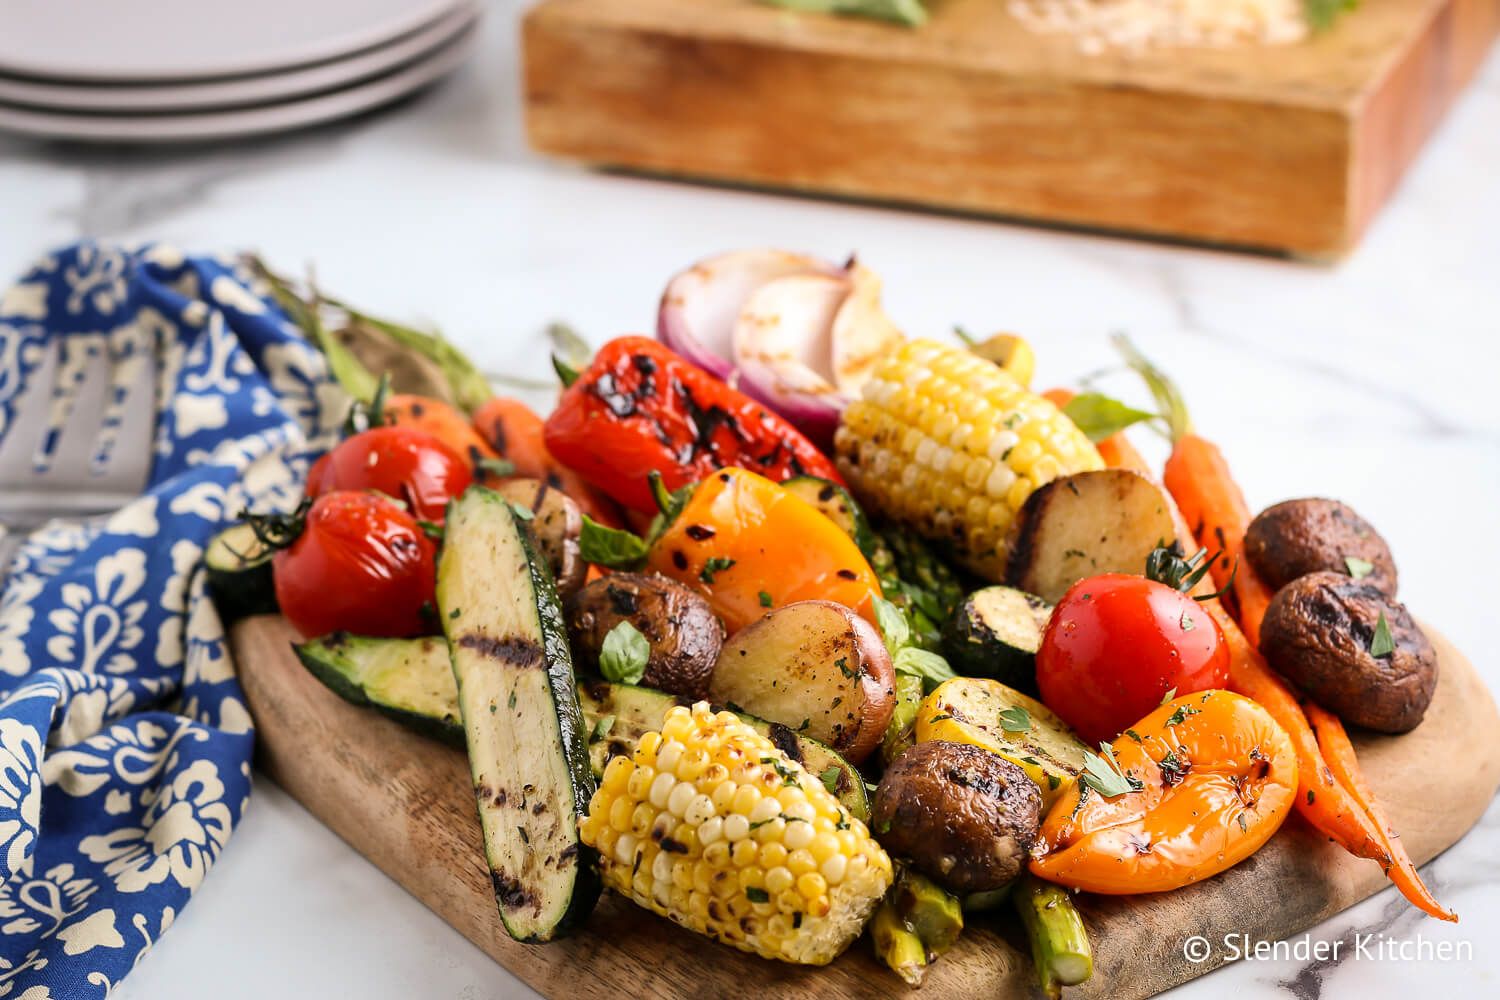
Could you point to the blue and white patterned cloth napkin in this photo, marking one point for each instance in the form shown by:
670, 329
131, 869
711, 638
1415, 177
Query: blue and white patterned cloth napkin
124, 742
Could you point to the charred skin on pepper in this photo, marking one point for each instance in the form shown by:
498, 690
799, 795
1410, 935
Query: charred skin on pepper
638, 407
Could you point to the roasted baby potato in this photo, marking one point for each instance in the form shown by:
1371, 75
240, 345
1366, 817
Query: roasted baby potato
815, 667
1321, 633
684, 634
1298, 537
1083, 525
962, 815
556, 524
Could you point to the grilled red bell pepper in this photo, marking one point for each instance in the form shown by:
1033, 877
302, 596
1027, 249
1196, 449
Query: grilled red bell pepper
640, 408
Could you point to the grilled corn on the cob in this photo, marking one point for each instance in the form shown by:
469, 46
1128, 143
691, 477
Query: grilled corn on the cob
709, 824
951, 445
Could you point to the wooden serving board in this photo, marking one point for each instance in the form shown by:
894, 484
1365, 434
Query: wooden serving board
405, 803
1289, 148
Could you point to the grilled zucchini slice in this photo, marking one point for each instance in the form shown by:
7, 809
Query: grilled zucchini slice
239, 574
995, 632
969, 710
528, 747
411, 681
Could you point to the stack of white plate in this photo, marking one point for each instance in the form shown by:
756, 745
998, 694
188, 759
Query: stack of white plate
185, 70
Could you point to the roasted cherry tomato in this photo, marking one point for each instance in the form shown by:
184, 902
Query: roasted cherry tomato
360, 564
1116, 644
1205, 781
407, 464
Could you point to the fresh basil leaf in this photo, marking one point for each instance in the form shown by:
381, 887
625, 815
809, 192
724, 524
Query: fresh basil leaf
612, 547
1359, 568
931, 667
1382, 643
1099, 416
893, 625
623, 656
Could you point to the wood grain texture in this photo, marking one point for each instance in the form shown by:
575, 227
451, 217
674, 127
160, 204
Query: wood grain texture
405, 803
1288, 148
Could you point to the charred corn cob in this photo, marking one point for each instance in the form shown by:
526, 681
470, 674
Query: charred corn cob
710, 825
951, 446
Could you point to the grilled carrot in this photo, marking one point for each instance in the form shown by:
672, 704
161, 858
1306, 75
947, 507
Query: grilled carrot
514, 430
1198, 478
443, 421
1334, 743
1332, 793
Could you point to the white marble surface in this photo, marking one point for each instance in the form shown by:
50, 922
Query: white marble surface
1372, 381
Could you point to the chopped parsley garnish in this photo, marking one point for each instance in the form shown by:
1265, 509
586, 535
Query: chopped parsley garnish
715, 565
1133, 735
831, 778
1359, 568
1381, 643
843, 664
603, 726
757, 895
788, 777
1171, 695
1187, 622
1015, 719
766, 600
1104, 776
1244, 826
498, 467
1180, 715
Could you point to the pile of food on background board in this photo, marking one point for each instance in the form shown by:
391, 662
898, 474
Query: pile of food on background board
820, 629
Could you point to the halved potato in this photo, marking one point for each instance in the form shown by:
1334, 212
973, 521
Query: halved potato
969, 710
1085, 524
815, 667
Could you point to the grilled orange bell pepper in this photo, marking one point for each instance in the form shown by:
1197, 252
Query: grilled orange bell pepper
749, 546
1217, 776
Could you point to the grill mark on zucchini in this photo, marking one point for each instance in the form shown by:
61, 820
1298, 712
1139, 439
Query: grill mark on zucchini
786, 741
510, 649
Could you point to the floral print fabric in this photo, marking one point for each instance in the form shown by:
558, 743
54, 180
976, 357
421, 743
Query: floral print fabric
124, 742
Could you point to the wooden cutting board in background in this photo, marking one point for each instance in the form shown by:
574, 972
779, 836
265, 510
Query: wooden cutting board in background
1287, 148
405, 803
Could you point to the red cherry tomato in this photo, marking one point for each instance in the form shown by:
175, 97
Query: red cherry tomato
402, 462
1116, 644
360, 565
